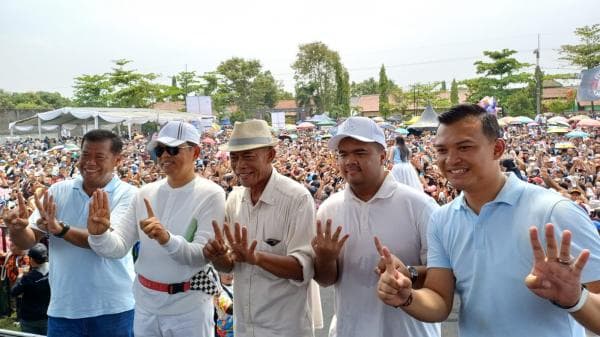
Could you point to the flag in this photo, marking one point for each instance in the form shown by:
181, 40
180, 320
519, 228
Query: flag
589, 88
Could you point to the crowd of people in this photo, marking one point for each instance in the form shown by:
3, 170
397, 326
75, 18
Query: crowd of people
277, 212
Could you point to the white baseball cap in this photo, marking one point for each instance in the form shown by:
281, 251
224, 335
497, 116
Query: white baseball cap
175, 133
360, 128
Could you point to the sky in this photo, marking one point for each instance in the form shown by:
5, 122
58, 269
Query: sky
45, 44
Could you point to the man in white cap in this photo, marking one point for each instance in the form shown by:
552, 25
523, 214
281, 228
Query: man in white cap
269, 245
172, 220
373, 205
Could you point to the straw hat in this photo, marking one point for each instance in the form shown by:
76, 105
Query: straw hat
249, 135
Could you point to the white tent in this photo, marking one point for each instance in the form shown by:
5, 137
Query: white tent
428, 120
69, 118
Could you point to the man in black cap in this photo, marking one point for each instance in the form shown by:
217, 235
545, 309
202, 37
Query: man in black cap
35, 291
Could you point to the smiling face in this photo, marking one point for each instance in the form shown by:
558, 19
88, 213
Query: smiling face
465, 156
253, 167
97, 164
360, 163
180, 165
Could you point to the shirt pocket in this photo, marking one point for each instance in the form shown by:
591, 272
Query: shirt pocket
277, 248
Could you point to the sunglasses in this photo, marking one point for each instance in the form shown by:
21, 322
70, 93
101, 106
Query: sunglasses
171, 150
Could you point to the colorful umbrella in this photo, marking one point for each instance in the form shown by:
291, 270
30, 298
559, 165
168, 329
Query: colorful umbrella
401, 131
556, 129
306, 125
577, 134
564, 145
590, 123
579, 117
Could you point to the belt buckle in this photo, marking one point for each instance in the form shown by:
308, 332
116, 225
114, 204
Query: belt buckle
175, 288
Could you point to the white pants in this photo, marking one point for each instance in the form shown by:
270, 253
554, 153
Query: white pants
191, 324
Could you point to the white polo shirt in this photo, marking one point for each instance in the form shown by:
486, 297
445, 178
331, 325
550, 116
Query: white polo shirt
398, 216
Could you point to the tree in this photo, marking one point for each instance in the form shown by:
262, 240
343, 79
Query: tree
454, 92
315, 68
587, 53
520, 103
366, 87
557, 105
32, 100
342, 91
92, 90
188, 82
384, 101
132, 89
443, 86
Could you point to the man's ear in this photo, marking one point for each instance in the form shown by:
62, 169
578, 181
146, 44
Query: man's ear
499, 148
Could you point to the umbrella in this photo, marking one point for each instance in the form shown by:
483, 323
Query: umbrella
521, 120
564, 145
208, 140
577, 134
412, 120
290, 127
378, 119
401, 131
556, 129
306, 125
326, 122
591, 123
505, 120
559, 123
579, 117
558, 120
385, 125
533, 124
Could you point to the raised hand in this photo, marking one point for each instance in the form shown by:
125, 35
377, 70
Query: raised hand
327, 247
216, 248
393, 288
152, 227
381, 266
555, 275
238, 241
47, 210
98, 220
16, 219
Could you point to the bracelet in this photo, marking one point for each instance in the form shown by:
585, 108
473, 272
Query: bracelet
64, 230
407, 302
580, 302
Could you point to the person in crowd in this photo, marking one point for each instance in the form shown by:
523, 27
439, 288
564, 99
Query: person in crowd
479, 245
34, 289
372, 205
403, 171
171, 218
270, 222
63, 215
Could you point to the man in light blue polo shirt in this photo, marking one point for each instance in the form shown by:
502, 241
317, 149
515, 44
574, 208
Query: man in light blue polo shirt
479, 245
90, 295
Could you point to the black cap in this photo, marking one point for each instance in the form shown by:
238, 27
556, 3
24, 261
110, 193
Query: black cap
39, 253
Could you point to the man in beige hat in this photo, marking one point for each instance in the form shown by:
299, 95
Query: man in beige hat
269, 246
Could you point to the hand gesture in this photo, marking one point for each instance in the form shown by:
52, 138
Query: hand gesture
98, 220
393, 288
16, 219
238, 241
327, 247
47, 210
216, 249
555, 276
381, 266
152, 227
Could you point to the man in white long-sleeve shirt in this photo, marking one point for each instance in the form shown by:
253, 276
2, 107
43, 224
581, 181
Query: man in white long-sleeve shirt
171, 218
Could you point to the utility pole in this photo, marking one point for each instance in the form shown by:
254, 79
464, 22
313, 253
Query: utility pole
538, 80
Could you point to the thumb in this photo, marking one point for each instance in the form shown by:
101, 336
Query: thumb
149, 208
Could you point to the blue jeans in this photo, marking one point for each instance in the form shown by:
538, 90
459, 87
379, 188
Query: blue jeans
113, 325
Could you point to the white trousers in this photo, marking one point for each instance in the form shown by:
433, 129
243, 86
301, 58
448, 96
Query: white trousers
195, 323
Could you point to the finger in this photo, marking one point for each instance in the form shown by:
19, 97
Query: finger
228, 234
252, 248
22, 205
328, 228
244, 236
565, 247
149, 208
580, 262
39, 205
237, 232
343, 240
536, 246
336, 234
217, 230
388, 260
100, 220
378, 245
319, 229
51, 212
551, 248
103, 200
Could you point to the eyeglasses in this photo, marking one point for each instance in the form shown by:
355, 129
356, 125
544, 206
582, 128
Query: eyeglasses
171, 150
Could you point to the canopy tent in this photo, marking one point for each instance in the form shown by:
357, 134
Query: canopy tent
70, 118
428, 121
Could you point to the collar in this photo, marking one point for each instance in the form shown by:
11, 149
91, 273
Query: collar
109, 188
509, 193
267, 196
386, 190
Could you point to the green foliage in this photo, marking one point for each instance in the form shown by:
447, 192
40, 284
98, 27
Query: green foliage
92, 90
384, 101
587, 53
443, 86
306, 97
366, 87
315, 69
32, 100
454, 92
342, 91
558, 105
520, 103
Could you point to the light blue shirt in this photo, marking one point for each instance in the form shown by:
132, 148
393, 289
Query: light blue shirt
82, 283
490, 255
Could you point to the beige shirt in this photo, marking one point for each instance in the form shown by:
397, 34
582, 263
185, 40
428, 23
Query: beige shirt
282, 221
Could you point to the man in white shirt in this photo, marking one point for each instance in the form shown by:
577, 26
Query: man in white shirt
171, 219
373, 205
270, 253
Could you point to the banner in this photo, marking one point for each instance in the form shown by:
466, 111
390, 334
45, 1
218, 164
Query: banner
589, 89
199, 105
278, 120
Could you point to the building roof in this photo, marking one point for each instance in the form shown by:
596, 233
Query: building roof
169, 106
286, 104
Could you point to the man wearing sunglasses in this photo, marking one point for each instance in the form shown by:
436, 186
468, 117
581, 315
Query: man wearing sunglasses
172, 220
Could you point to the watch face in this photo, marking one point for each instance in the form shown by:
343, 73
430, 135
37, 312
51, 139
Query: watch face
414, 274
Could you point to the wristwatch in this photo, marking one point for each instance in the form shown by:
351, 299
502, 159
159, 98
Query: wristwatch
63, 232
413, 273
